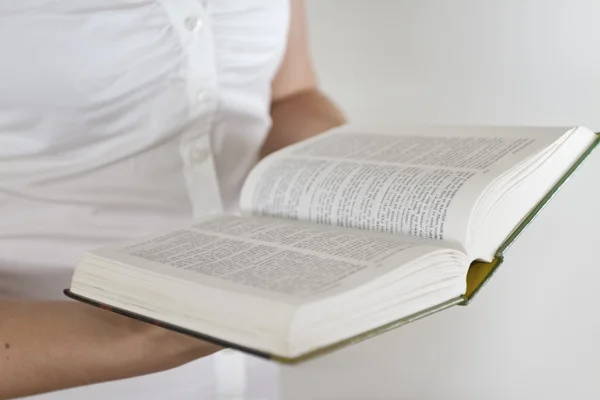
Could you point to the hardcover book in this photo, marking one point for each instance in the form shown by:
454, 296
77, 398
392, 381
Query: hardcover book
341, 237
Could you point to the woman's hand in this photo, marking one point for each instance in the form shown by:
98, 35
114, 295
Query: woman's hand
47, 346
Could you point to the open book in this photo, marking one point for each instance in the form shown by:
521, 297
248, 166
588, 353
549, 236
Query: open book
342, 236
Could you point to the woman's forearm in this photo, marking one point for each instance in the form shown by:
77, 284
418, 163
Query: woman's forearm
47, 346
300, 116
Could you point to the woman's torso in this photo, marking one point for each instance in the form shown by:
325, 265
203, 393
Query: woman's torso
119, 117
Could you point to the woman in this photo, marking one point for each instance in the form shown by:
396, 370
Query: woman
118, 117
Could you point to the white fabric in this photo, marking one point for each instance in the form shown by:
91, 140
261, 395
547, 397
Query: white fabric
119, 117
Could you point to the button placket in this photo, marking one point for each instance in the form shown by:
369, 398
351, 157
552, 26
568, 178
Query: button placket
193, 24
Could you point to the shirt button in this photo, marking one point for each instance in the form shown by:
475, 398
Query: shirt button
199, 155
202, 96
193, 23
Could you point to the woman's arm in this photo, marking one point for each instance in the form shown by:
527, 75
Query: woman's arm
47, 346
298, 110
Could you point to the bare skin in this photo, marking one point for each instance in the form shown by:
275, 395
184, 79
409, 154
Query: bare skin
298, 110
52, 345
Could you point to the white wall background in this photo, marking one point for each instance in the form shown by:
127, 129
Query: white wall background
534, 332
512, 61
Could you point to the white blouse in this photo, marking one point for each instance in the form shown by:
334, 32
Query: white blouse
118, 117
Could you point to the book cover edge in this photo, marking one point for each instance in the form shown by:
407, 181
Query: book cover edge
480, 273
165, 325
546, 199
261, 354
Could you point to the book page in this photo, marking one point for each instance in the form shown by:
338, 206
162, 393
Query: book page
270, 258
424, 184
